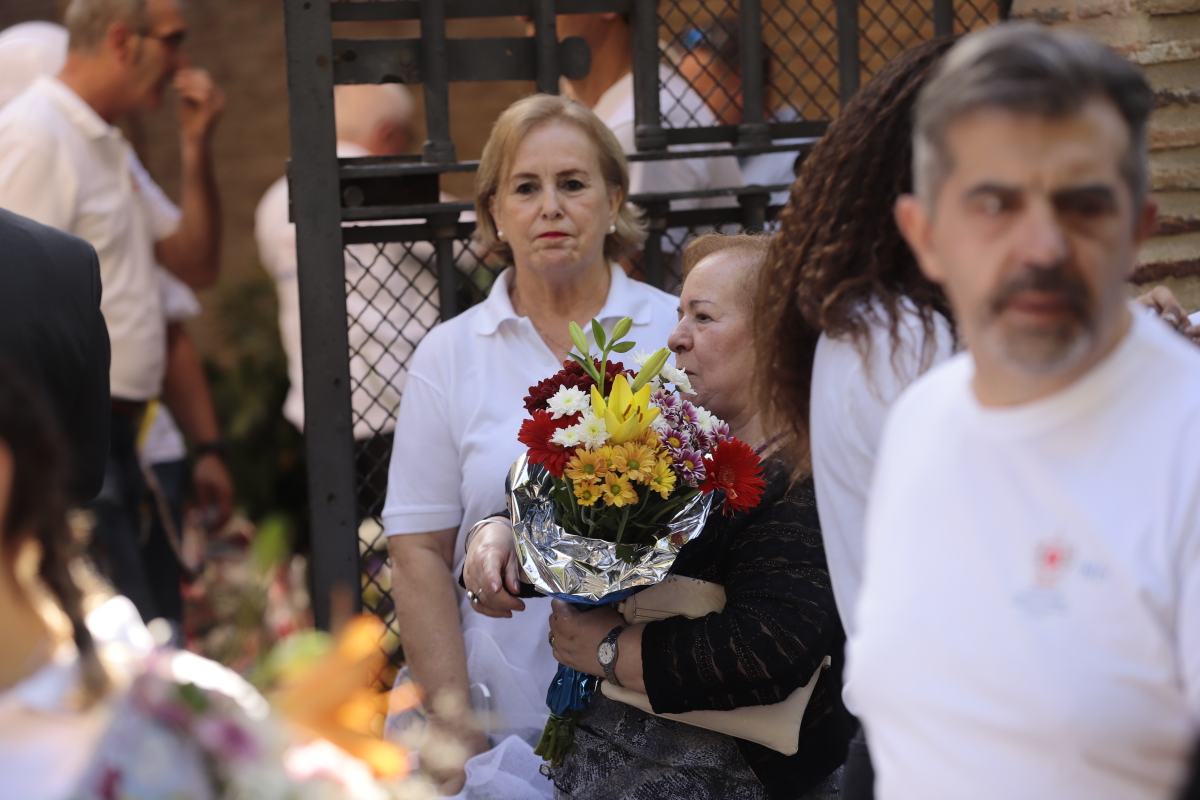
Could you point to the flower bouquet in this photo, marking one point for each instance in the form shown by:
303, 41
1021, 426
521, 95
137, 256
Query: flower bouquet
620, 472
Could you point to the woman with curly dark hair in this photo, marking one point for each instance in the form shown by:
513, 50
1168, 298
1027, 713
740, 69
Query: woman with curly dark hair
845, 317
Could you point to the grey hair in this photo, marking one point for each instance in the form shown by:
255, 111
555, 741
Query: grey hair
87, 21
1028, 69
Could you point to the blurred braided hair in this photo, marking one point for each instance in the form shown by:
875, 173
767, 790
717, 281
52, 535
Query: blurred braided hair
38, 511
839, 260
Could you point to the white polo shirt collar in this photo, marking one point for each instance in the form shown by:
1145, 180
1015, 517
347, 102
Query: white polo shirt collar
623, 301
83, 116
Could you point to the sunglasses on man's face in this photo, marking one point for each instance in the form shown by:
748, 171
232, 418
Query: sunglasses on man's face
171, 41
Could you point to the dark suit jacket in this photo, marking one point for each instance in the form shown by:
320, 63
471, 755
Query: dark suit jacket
52, 330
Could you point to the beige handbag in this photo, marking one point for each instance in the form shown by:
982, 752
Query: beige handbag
776, 726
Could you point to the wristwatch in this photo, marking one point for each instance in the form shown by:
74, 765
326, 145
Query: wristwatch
607, 654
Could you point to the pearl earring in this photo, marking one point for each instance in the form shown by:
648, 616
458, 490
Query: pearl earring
612, 228
499, 234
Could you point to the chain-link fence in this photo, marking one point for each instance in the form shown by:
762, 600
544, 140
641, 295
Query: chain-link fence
403, 275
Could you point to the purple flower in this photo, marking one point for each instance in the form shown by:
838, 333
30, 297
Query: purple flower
688, 466
721, 432
687, 413
667, 401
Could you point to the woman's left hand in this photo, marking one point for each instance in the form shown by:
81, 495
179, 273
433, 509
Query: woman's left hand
576, 635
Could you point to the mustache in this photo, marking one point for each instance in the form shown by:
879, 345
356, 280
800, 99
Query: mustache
1055, 279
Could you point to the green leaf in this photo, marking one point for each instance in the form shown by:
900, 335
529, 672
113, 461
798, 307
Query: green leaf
622, 347
598, 334
588, 367
578, 338
620, 329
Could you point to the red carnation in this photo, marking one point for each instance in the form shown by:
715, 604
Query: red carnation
736, 470
535, 434
571, 376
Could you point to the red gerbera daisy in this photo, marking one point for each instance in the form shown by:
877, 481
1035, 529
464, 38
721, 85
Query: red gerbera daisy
736, 470
535, 434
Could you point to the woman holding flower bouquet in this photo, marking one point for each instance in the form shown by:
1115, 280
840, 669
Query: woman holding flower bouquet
771, 638
550, 198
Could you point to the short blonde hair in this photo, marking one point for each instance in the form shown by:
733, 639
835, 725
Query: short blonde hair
513, 126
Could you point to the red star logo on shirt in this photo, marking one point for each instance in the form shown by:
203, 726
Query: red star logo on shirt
1051, 559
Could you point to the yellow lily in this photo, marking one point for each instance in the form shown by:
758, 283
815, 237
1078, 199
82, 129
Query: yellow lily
626, 414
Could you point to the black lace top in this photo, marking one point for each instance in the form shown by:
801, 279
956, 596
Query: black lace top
778, 624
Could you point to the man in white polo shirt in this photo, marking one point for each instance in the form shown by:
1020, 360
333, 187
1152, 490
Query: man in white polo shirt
392, 297
1029, 620
63, 163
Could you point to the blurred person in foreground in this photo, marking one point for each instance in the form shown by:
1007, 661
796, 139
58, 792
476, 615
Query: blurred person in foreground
91, 709
769, 636
63, 163
551, 199
392, 300
1029, 618
851, 321
51, 325
847, 320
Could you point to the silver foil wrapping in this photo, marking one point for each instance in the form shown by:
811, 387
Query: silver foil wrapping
562, 563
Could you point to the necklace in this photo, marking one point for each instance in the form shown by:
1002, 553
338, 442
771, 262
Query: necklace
559, 347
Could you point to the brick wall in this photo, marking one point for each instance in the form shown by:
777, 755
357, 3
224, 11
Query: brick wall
1163, 36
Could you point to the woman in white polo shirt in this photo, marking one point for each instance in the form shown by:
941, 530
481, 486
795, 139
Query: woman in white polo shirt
550, 197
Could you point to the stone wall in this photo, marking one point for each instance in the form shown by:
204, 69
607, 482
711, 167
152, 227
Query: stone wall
1163, 36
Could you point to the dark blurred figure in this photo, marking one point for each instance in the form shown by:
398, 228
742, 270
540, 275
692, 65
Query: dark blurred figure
1192, 790
51, 328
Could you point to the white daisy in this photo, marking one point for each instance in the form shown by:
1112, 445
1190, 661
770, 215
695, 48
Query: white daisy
567, 437
706, 420
567, 401
678, 377
592, 431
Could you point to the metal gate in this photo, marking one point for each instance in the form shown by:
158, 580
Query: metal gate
368, 292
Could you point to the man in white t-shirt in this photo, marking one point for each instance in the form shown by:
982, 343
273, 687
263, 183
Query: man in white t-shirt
1029, 620
607, 89
392, 293
64, 163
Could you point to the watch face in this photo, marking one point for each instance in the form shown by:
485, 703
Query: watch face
606, 653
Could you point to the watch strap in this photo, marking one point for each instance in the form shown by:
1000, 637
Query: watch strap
610, 667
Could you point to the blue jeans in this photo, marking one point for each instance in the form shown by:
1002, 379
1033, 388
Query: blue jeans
117, 537
129, 544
